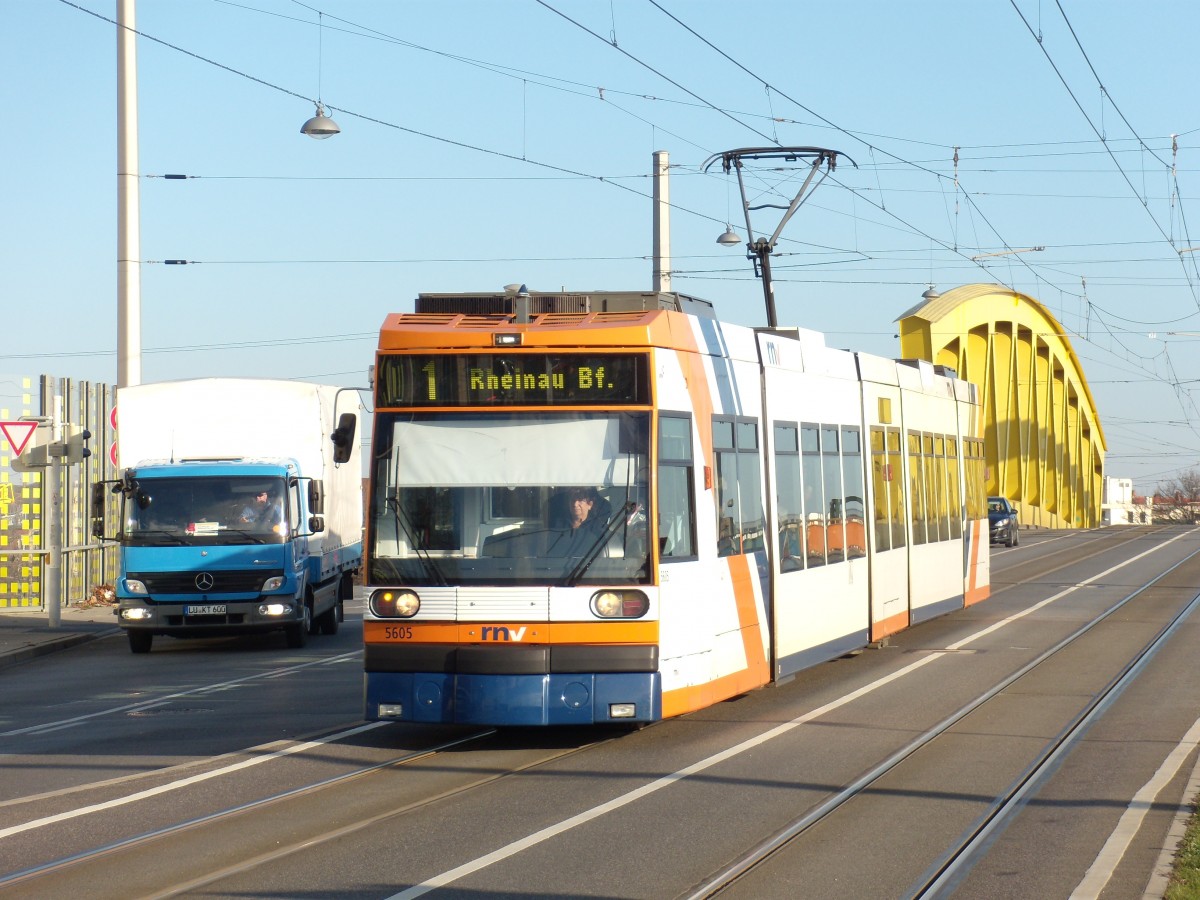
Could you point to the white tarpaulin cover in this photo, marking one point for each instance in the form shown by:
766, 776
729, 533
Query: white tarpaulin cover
538, 452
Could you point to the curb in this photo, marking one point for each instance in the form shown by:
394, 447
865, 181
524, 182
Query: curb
45, 648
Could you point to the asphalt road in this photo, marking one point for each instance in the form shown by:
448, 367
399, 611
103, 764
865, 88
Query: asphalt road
239, 768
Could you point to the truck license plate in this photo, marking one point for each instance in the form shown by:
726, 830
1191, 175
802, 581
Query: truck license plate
209, 609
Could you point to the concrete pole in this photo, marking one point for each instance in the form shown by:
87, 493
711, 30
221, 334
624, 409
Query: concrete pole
662, 223
129, 251
52, 489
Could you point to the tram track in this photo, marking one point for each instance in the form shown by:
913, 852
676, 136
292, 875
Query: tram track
77, 873
942, 876
136, 841
1034, 570
960, 858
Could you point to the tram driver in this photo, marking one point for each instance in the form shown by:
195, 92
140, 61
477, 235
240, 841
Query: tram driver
582, 523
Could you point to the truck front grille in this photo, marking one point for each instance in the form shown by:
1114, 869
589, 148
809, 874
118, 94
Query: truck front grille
233, 581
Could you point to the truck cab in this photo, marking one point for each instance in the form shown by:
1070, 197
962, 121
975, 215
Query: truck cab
220, 547
238, 509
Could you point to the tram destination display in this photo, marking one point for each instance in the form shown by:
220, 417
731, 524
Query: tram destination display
513, 379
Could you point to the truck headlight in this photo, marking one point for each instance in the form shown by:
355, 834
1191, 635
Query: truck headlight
620, 604
389, 604
274, 610
135, 587
274, 583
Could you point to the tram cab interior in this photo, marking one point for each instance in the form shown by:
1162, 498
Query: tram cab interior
445, 511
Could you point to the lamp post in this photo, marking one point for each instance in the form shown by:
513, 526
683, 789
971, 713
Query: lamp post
759, 250
129, 285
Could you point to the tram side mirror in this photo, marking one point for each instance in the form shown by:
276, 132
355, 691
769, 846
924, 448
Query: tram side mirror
343, 437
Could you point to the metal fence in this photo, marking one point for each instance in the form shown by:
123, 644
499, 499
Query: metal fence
25, 513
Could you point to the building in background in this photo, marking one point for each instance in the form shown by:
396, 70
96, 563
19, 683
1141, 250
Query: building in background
1117, 505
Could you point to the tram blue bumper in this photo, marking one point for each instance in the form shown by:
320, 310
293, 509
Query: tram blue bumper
555, 699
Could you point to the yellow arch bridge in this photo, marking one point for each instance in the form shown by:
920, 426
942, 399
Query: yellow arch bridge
1042, 437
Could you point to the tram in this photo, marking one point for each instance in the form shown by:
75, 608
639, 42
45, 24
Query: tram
755, 503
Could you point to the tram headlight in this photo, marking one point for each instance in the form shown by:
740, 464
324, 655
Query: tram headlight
620, 604
390, 604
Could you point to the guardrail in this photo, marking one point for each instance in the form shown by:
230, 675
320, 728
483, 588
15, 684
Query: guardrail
84, 568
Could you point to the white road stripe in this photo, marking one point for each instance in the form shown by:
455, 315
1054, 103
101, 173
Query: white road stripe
183, 782
146, 704
1118, 842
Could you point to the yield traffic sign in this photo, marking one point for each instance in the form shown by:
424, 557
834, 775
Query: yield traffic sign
18, 434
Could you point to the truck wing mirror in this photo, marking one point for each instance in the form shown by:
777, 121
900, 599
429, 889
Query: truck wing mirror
343, 437
316, 524
316, 496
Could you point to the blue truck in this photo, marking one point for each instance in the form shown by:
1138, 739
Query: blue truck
238, 509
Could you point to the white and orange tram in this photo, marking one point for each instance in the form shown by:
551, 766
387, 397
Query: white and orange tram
756, 503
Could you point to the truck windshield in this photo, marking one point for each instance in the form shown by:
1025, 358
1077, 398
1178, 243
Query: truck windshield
206, 510
524, 498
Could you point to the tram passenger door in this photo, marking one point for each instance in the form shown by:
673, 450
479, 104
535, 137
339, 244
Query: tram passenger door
743, 627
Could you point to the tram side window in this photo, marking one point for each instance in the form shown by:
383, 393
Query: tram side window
814, 494
835, 498
981, 477
935, 487
754, 526
854, 512
787, 486
976, 477
968, 478
881, 476
676, 498
896, 488
739, 486
953, 495
916, 481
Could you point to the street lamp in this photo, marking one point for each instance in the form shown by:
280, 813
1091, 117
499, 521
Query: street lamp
729, 238
320, 126
759, 250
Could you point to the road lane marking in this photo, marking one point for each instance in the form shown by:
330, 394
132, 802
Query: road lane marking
184, 782
146, 704
1111, 854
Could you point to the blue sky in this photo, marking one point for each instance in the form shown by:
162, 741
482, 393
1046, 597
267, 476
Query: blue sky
486, 143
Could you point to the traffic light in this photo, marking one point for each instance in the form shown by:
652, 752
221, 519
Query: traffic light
76, 438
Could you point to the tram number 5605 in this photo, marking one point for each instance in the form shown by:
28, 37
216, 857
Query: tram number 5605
398, 632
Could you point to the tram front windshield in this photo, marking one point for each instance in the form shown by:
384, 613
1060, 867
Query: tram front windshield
530, 498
